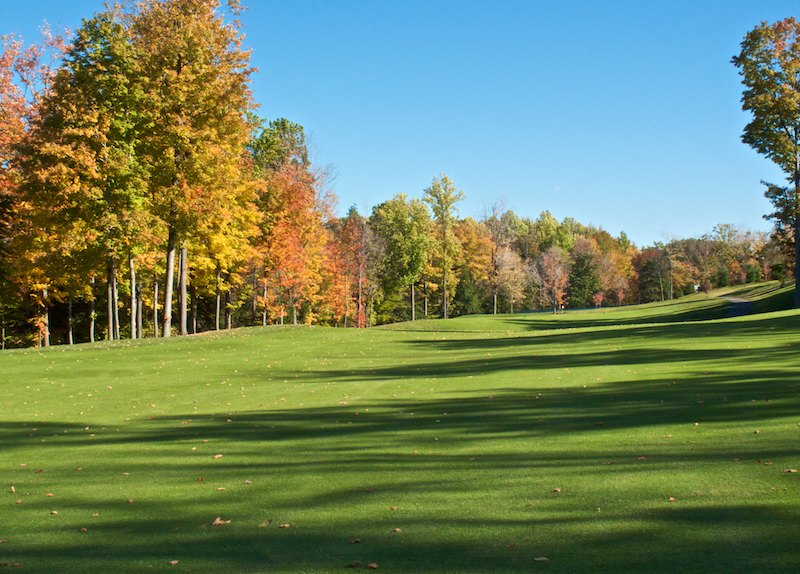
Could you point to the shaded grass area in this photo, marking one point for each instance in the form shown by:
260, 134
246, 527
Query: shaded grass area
487, 447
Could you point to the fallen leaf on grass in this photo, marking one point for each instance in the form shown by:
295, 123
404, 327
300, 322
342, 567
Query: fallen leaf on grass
397, 530
672, 499
220, 489
641, 458
172, 562
541, 559
265, 523
12, 490
372, 566
84, 530
393, 508
217, 456
39, 471
54, 512
284, 525
667, 436
200, 479
557, 489
3, 541
790, 470
130, 501
355, 541
219, 522
50, 495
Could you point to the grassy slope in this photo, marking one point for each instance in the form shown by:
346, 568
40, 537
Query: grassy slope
766, 297
467, 428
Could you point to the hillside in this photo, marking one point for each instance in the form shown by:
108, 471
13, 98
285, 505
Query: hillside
639, 439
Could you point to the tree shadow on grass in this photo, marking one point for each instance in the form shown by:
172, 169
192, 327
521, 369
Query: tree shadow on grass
685, 536
442, 451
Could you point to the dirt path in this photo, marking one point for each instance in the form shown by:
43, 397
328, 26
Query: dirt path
739, 306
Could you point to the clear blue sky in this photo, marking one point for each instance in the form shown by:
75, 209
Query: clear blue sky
621, 114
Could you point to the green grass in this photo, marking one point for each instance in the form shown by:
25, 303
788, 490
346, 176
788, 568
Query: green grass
488, 441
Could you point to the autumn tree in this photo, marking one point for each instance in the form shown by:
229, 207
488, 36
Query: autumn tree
499, 234
769, 63
26, 79
403, 225
474, 265
510, 277
584, 279
442, 197
351, 238
550, 274
82, 171
13, 109
194, 75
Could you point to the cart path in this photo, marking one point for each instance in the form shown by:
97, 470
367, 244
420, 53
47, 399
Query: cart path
739, 306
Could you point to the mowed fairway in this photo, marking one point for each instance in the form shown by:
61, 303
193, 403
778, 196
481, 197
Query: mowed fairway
633, 440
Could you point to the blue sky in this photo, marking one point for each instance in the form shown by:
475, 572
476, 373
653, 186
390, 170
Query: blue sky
625, 115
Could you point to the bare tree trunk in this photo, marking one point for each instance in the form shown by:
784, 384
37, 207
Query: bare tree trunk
116, 309
228, 314
254, 307
219, 296
494, 302
182, 303
444, 292
110, 297
413, 303
361, 318
264, 310
797, 228
134, 299
193, 298
425, 291
92, 314
46, 299
139, 312
294, 314
155, 306
168, 284
669, 259
347, 296
70, 338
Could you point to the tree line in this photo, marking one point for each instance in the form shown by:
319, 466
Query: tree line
141, 196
